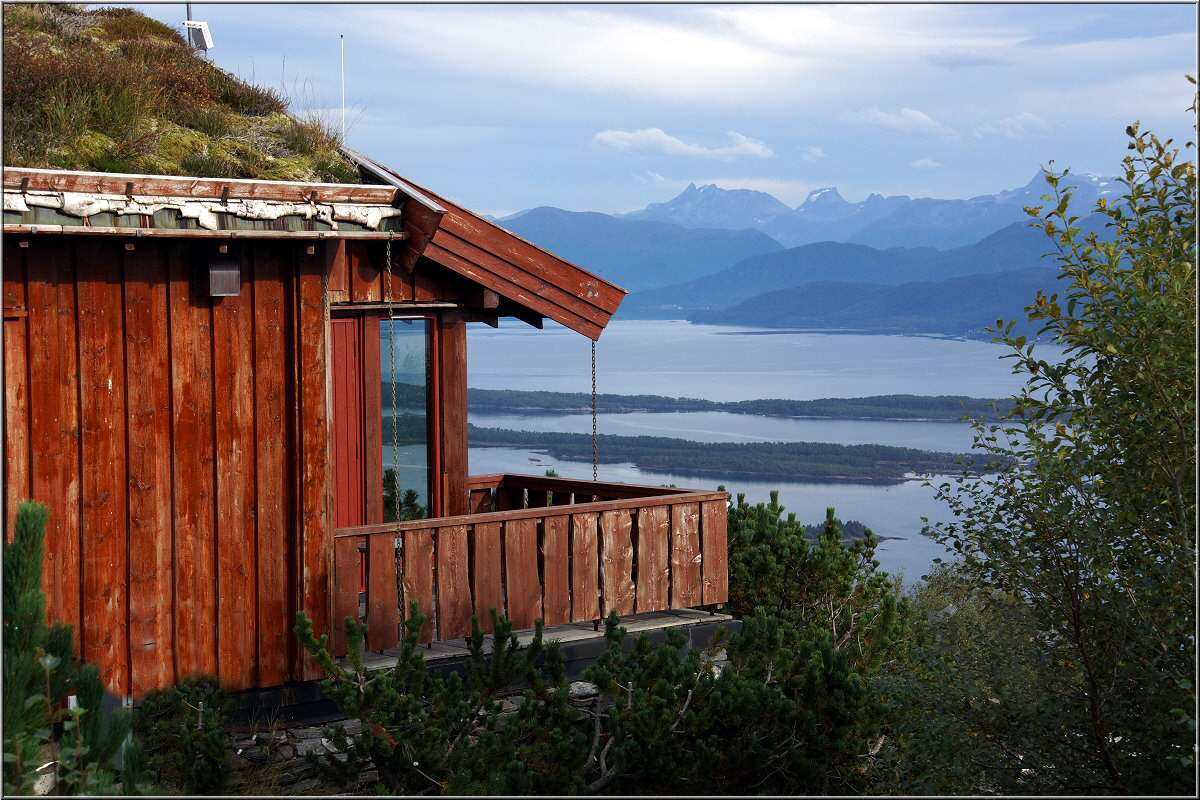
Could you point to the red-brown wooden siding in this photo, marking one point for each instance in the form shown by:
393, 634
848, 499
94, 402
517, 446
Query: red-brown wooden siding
184, 444
163, 429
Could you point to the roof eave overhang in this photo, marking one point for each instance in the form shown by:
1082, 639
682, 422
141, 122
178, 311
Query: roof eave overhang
499, 260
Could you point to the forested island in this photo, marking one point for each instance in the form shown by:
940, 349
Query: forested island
791, 461
949, 408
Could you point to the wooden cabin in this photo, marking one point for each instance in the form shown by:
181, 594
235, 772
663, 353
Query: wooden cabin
204, 380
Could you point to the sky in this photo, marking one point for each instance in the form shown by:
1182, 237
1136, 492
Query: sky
609, 107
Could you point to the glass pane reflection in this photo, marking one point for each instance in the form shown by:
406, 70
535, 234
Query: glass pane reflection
404, 376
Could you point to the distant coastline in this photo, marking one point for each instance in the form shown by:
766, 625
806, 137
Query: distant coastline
762, 461
894, 407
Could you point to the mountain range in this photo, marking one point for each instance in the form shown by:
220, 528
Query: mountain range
958, 306
1015, 246
877, 221
886, 264
637, 254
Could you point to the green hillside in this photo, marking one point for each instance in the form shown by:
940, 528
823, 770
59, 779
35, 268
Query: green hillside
959, 306
112, 90
1014, 247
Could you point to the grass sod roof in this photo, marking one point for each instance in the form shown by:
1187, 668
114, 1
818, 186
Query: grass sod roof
112, 90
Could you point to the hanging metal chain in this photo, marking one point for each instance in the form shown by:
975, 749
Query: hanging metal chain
595, 449
392, 365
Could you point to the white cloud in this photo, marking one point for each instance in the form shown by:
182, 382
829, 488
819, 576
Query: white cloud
1018, 126
957, 58
926, 163
907, 120
669, 56
811, 152
656, 141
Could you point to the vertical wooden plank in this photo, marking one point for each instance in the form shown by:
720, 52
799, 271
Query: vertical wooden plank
481, 501
372, 414
538, 498
509, 499
485, 575
193, 490
556, 569
271, 466
54, 423
616, 563
364, 274
418, 577
383, 601
425, 287
233, 394
452, 374
148, 421
312, 370
16, 389
715, 549
453, 583
346, 366
653, 565
14, 275
585, 568
399, 286
339, 271
345, 595
102, 445
685, 555
523, 589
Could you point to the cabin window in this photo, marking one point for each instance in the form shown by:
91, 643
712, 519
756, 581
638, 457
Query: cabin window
382, 448
404, 357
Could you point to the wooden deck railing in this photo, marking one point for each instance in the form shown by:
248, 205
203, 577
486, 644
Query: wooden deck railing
534, 547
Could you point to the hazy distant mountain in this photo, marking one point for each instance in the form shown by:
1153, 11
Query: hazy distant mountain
712, 207
825, 216
926, 222
878, 221
636, 254
958, 306
1016, 246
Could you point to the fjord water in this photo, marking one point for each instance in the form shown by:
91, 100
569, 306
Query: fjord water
719, 362
677, 359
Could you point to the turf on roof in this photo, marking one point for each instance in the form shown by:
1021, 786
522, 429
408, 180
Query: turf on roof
112, 90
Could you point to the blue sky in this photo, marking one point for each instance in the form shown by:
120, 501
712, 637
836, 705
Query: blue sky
609, 107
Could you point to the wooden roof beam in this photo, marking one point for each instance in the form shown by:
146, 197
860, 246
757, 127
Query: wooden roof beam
510, 290
521, 271
200, 233
49, 180
522, 313
421, 215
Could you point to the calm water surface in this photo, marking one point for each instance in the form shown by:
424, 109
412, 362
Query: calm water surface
677, 359
721, 426
718, 362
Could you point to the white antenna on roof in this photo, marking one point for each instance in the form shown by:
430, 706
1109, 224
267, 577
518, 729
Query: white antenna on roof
198, 34
342, 37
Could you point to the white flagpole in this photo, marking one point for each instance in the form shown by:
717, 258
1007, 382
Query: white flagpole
342, 37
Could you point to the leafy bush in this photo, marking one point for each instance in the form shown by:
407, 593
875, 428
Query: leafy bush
40, 672
184, 734
816, 587
1094, 534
